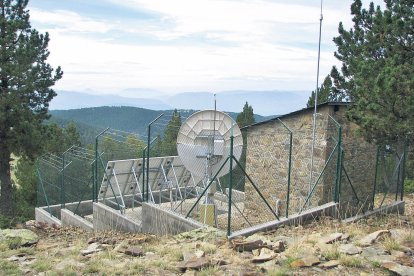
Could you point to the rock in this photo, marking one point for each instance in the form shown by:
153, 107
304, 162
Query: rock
264, 256
330, 264
372, 252
278, 246
398, 269
349, 249
405, 260
92, 248
200, 253
305, 262
68, 263
194, 263
345, 237
134, 251
22, 237
334, 237
373, 237
399, 234
241, 245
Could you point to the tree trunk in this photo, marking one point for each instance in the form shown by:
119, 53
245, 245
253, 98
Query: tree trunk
6, 192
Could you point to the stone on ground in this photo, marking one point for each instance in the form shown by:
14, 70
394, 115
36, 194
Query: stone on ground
373, 237
398, 269
349, 249
25, 237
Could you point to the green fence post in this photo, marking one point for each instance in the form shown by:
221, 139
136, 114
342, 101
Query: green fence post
144, 152
289, 166
148, 152
62, 183
148, 157
375, 177
338, 165
403, 169
230, 185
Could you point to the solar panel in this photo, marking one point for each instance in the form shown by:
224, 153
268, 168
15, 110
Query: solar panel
124, 178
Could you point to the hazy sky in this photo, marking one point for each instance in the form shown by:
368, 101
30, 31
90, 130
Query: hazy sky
189, 45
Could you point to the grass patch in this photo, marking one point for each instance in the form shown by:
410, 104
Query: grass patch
210, 270
208, 248
391, 244
350, 261
278, 272
9, 268
333, 254
42, 265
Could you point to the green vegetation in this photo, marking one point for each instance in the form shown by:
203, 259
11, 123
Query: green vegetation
376, 72
26, 81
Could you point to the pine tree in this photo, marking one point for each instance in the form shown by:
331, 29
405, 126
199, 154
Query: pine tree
324, 93
25, 90
169, 142
378, 67
246, 117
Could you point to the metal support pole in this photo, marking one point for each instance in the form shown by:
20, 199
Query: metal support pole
148, 152
403, 169
375, 177
230, 185
289, 166
338, 165
144, 152
95, 175
62, 184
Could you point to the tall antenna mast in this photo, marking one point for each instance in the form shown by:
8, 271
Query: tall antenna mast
316, 101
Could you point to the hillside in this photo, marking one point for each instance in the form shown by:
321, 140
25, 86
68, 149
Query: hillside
131, 119
263, 102
374, 246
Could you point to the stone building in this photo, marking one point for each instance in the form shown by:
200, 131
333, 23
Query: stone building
267, 161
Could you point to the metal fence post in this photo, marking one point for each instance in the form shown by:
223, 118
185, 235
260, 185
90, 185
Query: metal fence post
338, 165
230, 185
375, 177
148, 152
403, 169
289, 166
62, 183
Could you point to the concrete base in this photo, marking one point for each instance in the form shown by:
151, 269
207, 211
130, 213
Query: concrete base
69, 218
397, 207
106, 218
165, 222
328, 209
43, 216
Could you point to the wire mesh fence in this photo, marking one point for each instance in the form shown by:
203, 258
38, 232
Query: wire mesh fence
389, 177
49, 185
269, 175
77, 178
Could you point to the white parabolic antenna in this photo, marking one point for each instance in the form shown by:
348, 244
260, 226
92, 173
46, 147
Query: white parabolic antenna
203, 143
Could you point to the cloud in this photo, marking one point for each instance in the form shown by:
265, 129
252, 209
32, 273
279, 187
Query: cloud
68, 21
204, 45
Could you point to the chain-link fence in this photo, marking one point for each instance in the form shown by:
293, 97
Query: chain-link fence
49, 169
389, 176
77, 178
276, 169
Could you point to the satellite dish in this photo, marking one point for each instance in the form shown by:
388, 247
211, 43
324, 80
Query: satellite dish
203, 143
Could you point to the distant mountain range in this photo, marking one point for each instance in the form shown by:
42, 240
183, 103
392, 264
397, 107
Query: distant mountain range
90, 121
263, 102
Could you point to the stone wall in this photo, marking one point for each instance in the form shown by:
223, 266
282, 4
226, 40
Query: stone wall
267, 159
359, 163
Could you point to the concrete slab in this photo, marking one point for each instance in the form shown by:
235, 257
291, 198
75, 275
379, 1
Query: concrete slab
328, 209
160, 221
397, 207
69, 218
42, 215
106, 218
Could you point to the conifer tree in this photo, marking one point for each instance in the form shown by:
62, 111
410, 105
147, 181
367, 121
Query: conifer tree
25, 90
246, 117
377, 56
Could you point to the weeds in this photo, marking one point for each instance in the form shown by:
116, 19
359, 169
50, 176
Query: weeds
41, 265
350, 261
